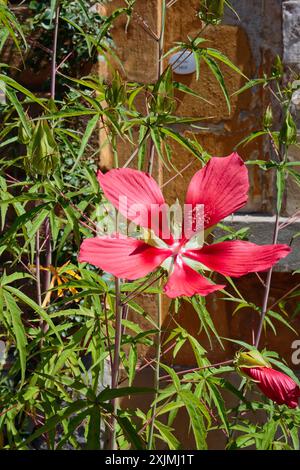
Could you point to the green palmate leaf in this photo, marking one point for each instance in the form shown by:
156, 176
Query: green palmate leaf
93, 435
212, 64
196, 411
57, 418
168, 407
20, 221
26, 198
70, 425
185, 89
295, 175
280, 318
15, 85
10, 27
31, 303
219, 404
36, 223
223, 58
251, 84
240, 343
85, 138
250, 138
8, 279
205, 319
228, 386
18, 330
157, 141
179, 343
186, 143
268, 321
111, 393
295, 437
69, 113
167, 435
18, 107
130, 432
198, 350
173, 375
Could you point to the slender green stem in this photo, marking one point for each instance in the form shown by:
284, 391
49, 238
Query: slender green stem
264, 308
157, 368
159, 296
160, 70
48, 247
282, 155
161, 39
38, 268
54, 52
116, 362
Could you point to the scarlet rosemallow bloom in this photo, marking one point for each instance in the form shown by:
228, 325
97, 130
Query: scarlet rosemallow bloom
221, 186
275, 385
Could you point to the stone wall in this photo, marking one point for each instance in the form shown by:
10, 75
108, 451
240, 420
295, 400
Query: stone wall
262, 29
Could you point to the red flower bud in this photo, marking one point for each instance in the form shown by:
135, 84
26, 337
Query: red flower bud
275, 385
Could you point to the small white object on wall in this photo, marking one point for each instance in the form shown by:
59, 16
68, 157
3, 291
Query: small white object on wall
183, 62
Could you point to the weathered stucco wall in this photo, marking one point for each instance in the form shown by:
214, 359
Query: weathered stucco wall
262, 29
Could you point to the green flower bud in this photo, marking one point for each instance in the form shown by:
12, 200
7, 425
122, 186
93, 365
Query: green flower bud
163, 101
268, 118
277, 68
211, 11
43, 153
115, 94
23, 135
288, 131
249, 359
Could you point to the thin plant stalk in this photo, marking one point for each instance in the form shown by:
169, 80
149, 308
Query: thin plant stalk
159, 296
48, 247
54, 53
38, 268
116, 362
264, 308
157, 369
160, 70
281, 157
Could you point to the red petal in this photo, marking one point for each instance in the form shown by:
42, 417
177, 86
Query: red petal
136, 195
185, 281
275, 385
222, 186
121, 256
236, 258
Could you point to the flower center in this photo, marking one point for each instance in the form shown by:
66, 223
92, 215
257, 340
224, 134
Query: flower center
176, 248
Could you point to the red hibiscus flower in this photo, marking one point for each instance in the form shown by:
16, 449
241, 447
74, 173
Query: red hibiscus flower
275, 385
221, 186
